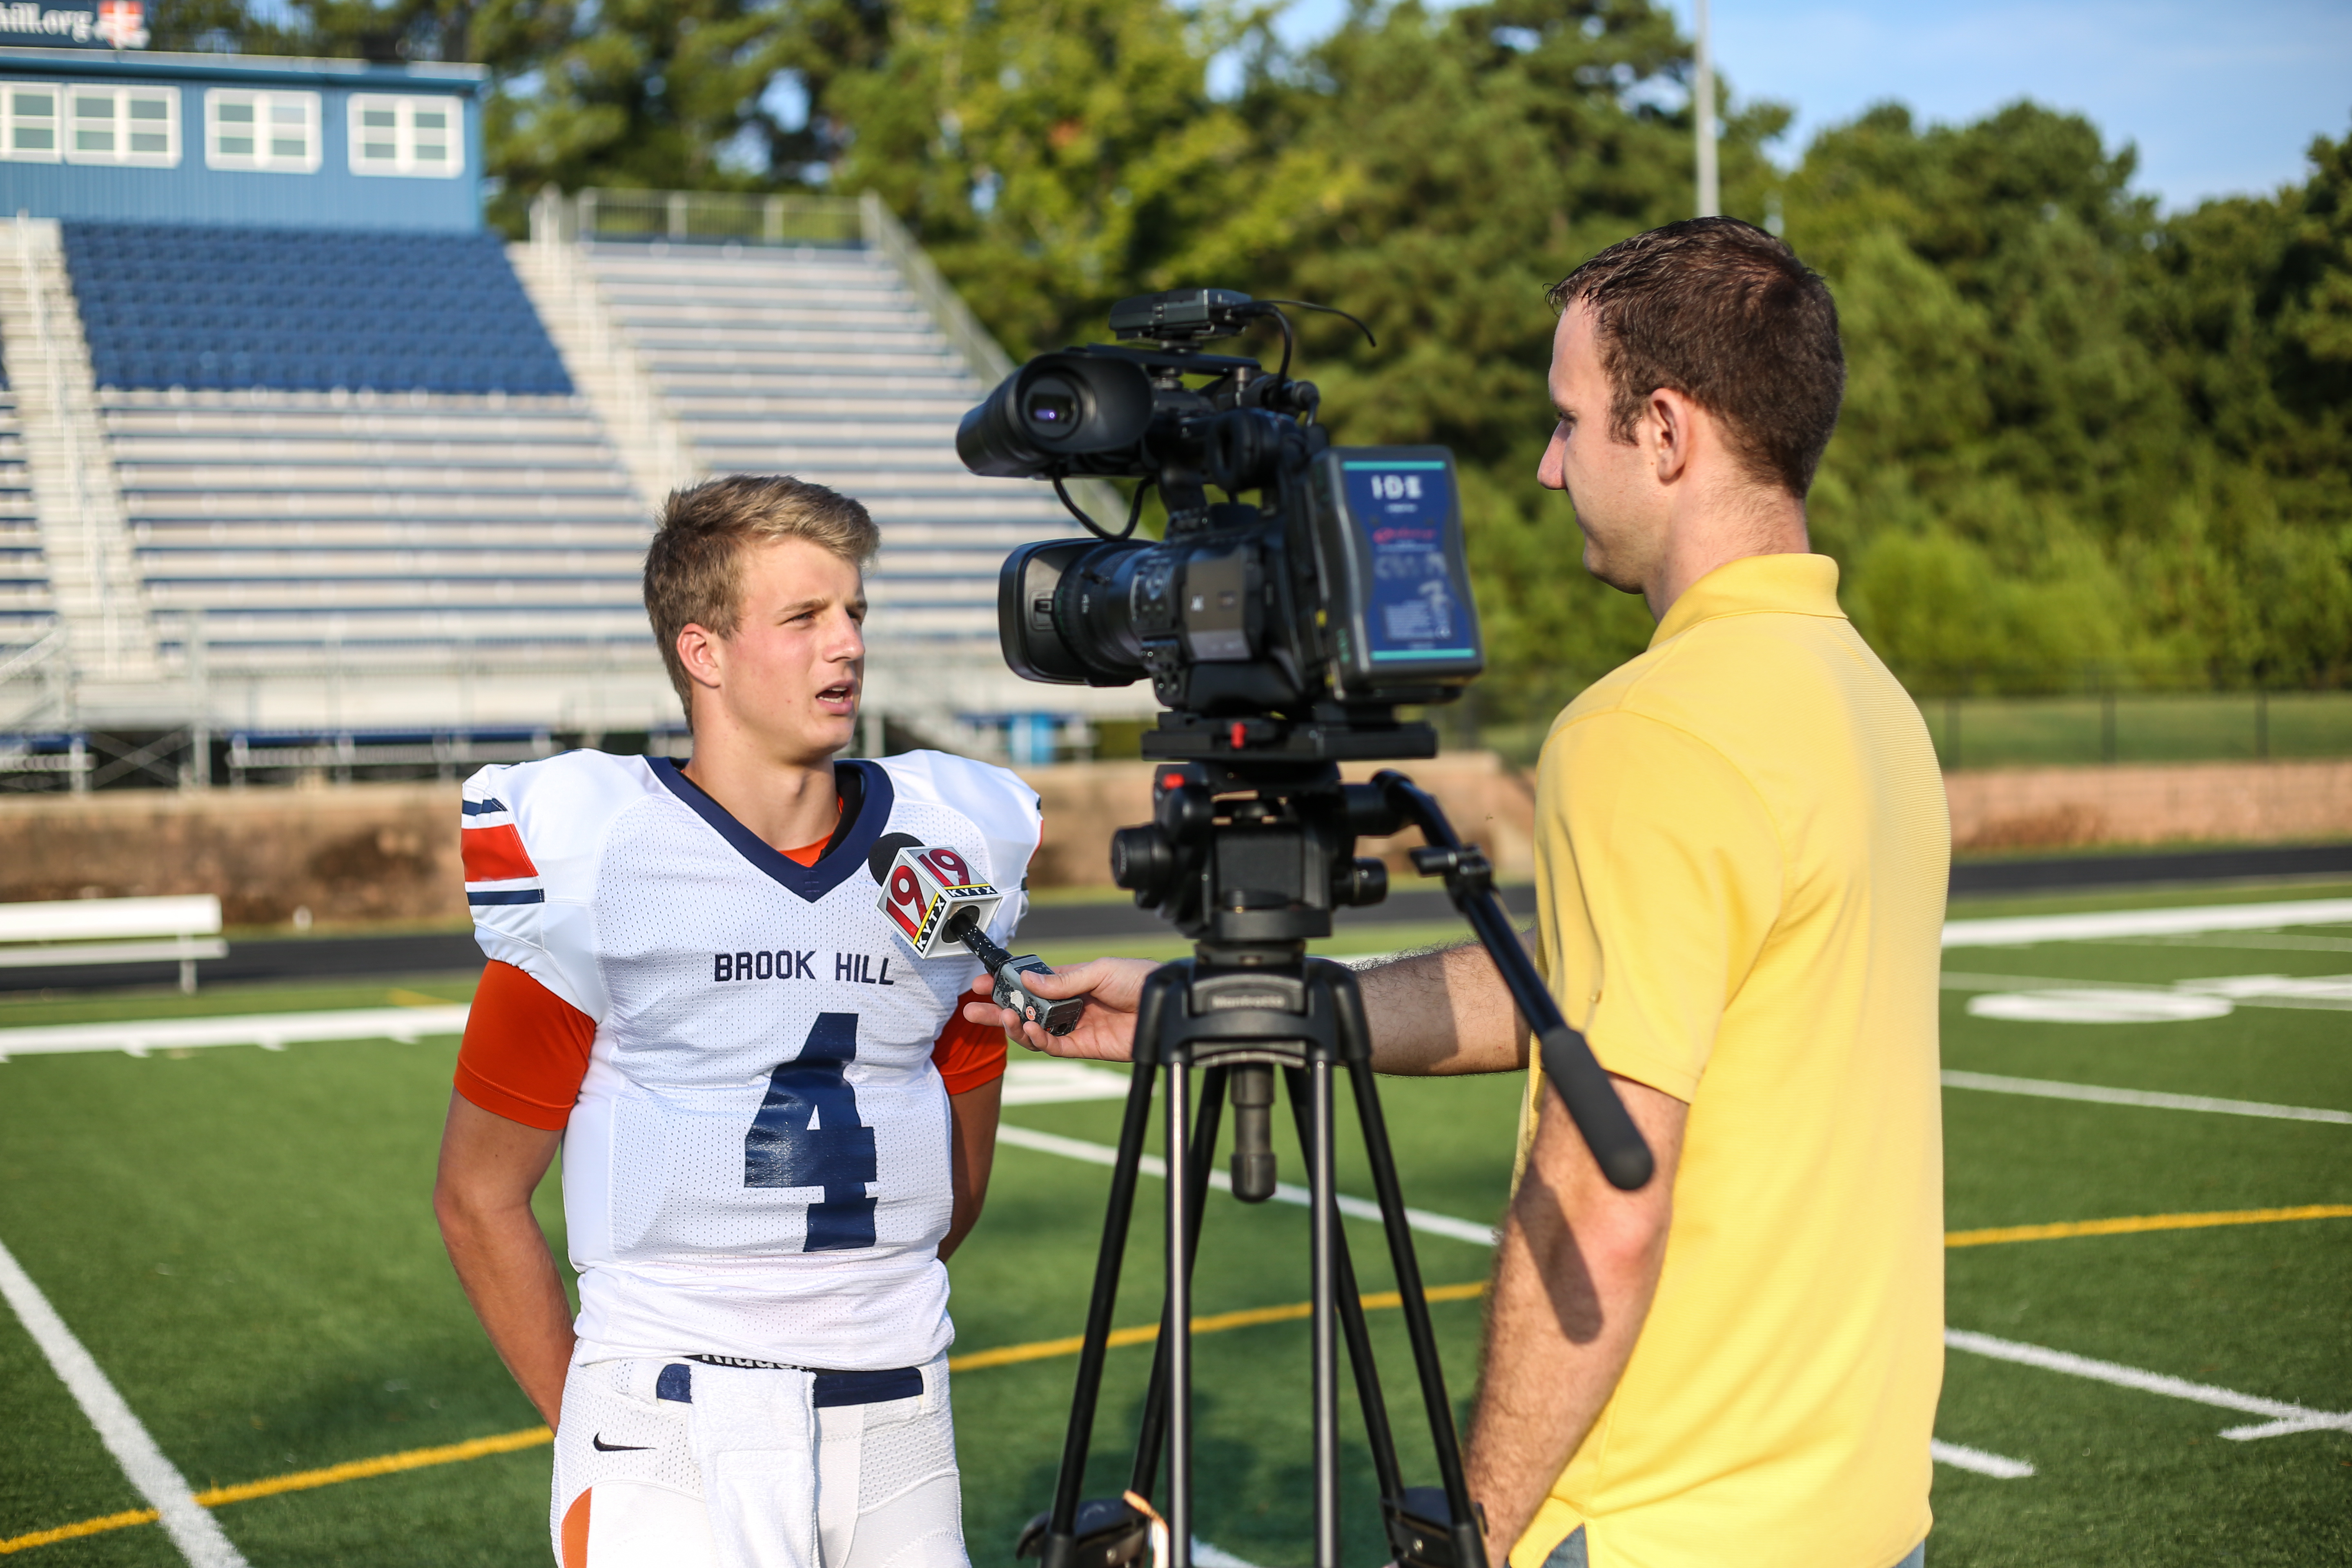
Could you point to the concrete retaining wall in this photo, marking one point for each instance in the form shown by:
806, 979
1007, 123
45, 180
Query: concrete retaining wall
367, 854
357, 853
2226, 802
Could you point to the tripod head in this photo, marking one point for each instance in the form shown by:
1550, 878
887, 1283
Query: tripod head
1250, 856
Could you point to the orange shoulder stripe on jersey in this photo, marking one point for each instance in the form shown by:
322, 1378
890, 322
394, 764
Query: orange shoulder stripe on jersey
494, 854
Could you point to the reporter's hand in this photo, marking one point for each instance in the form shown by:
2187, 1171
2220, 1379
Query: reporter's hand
1105, 1031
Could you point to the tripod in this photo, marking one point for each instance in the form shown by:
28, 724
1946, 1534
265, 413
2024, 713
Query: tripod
1249, 857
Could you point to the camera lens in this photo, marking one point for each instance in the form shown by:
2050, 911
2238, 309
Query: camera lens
1052, 407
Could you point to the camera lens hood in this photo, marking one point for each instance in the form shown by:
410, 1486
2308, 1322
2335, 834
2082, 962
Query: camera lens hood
1055, 407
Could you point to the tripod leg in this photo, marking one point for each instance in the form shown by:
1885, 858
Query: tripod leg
1063, 1527
1177, 1318
1351, 1324
1145, 1477
1469, 1542
1323, 1231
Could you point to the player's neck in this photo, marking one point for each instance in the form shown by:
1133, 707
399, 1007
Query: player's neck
789, 804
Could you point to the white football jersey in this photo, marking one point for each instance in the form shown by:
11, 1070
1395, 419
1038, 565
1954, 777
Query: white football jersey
758, 1164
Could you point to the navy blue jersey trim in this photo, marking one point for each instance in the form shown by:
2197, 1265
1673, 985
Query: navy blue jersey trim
509, 896
845, 852
482, 807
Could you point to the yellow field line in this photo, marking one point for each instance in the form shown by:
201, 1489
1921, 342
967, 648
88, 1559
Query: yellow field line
71, 1532
2142, 1222
383, 1465
1046, 1349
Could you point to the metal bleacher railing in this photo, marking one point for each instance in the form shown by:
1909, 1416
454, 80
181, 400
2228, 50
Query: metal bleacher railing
717, 218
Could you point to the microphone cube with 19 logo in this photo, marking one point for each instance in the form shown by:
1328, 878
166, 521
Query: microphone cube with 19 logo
925, 889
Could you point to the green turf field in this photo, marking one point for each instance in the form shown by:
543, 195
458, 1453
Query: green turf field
243, 1241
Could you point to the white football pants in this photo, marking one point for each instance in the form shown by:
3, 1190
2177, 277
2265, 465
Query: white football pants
674, 1464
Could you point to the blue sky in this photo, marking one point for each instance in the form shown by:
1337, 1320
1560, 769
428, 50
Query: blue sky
2218, 99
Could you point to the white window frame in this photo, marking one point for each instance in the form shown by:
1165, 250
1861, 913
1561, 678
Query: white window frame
55, 151
263, 102
404, 161
123, 126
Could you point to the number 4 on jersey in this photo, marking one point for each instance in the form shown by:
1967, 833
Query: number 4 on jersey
807, 1134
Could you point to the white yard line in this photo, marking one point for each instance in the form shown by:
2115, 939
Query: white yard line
1283, 1192
2018, 930
2045, 1089
1059, 1082
1966, 1458
195, 1532
2283, 1417
1205, 1555
270, 1031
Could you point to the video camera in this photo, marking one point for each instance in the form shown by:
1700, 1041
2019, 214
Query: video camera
1281, 636
1287, 629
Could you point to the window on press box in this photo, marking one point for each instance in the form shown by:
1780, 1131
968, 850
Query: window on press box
123, 125
406, 135
273, 130
28, 121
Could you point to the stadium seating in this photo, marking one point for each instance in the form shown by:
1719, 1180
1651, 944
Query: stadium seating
338, 447
23, 576
819, 361
375, 529
219, 309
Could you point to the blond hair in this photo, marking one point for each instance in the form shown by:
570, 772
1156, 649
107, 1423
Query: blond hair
694, 568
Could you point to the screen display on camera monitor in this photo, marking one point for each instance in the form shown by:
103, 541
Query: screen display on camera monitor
1401, 510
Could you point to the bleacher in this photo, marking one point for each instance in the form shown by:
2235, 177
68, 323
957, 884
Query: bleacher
818, 361
211, 307
350, 447
24, 610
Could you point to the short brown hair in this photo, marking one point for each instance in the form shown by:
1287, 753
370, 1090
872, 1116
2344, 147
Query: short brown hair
1724, 313
693, 569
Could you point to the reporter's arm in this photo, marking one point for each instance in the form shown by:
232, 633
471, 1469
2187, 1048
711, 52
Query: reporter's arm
489, 1168
1432, 1014
1574, 1275
973, 1151
1437, 1014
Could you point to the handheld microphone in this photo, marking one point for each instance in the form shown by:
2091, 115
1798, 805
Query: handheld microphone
931, 900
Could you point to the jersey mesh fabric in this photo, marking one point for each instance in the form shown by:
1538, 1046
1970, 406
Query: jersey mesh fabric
758, 1163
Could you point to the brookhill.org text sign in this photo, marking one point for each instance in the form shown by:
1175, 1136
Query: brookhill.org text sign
109, 25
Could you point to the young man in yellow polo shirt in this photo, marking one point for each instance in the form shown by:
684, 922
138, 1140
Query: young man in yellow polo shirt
1742, 850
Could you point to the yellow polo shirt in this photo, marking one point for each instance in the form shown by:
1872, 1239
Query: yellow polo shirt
1741, 856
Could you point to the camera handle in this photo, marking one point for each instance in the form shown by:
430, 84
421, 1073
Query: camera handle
1609, 1132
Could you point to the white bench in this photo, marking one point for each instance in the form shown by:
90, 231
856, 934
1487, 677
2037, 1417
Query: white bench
91, 931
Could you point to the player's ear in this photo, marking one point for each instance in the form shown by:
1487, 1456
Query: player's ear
699, 654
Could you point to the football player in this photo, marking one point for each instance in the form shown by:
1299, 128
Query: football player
775, 1126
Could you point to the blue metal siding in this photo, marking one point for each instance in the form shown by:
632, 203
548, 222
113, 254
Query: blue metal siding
331, 197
